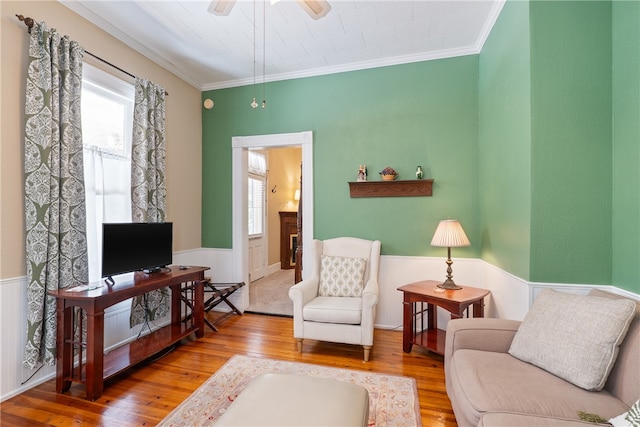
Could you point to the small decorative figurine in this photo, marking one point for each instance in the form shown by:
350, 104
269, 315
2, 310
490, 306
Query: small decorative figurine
419, 173
362, 174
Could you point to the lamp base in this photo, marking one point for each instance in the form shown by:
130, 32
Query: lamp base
449, 285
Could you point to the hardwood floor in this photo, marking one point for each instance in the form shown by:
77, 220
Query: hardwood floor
145, 394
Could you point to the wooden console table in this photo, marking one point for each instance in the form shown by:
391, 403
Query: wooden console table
85, 361
426, 291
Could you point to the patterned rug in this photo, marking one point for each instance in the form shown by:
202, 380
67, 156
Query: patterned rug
393, 400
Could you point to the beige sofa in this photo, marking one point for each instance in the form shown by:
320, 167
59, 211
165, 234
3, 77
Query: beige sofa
490, 387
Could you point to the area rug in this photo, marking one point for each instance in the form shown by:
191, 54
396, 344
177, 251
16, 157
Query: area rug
393, 400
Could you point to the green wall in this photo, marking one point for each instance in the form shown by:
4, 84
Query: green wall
401, 116
571, 210
626, 144
505, 142
534, 145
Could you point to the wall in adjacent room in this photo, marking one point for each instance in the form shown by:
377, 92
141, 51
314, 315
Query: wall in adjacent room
284, 174
399, 116
626, 144
571, 156
505, 142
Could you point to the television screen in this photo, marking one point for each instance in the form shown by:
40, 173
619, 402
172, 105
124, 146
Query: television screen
128, 247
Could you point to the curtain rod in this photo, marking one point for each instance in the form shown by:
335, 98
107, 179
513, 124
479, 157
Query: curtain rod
29, 22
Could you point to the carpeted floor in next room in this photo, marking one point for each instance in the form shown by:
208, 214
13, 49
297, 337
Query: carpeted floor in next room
270, 294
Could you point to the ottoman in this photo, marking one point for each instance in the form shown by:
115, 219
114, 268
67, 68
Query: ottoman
297, 400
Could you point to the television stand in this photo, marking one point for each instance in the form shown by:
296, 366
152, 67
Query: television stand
86, 362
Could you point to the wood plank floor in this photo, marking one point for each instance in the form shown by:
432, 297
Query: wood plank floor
145, 394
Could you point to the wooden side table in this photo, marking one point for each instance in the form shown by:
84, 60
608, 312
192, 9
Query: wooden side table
426, 291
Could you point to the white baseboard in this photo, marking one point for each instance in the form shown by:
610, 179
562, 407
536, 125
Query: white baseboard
273, 268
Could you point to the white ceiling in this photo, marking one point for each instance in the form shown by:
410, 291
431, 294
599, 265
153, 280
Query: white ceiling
212, 52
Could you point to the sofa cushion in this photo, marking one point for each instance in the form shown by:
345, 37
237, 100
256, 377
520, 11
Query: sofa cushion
483, 381
341, 276
345, 310
623, 380
575, 337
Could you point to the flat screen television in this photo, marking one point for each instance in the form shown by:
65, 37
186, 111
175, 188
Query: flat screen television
136, 246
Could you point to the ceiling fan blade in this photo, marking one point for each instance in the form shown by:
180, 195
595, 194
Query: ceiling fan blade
221, 7
315, 8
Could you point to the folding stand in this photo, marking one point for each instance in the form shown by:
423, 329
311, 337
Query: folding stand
220, 292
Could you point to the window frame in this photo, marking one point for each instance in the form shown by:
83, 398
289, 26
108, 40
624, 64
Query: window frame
105, 84
257, 171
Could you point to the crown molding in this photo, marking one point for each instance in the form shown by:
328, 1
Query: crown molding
106, 26
489, 23
149, 53
355, 66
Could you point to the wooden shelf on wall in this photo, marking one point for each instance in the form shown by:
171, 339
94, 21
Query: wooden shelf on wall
413, 188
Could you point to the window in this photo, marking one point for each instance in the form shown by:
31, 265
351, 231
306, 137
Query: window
107, 121
256, 193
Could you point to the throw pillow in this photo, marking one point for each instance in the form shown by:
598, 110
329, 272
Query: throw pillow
575, 337
341, 276
631, 418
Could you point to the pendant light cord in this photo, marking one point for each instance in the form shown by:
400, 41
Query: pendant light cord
253, 102
264, 52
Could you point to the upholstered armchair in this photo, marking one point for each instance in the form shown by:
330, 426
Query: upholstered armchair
337, 301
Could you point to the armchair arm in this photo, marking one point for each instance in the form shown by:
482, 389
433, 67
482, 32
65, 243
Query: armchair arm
300, 294
369, 302
370, 293
304, 291
479, 334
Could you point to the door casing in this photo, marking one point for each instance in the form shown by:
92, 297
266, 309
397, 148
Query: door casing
240, 239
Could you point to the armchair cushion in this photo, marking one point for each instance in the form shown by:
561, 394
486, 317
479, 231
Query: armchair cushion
345, 310
341, 276
575, 337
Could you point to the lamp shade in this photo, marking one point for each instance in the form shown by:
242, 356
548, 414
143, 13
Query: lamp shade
450, 234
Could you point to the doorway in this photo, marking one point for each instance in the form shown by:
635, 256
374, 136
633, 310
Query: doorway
270, 281
240, 147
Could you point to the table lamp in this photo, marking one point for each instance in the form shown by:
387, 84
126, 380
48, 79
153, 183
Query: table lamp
449, 234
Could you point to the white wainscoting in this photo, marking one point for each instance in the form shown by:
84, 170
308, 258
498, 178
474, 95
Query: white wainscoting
510, 299
220, 262
14, 378
13, 326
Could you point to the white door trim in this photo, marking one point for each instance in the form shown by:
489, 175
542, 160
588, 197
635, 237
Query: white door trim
239, 146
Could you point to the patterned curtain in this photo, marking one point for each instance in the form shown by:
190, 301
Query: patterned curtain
56, 245
148, 192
